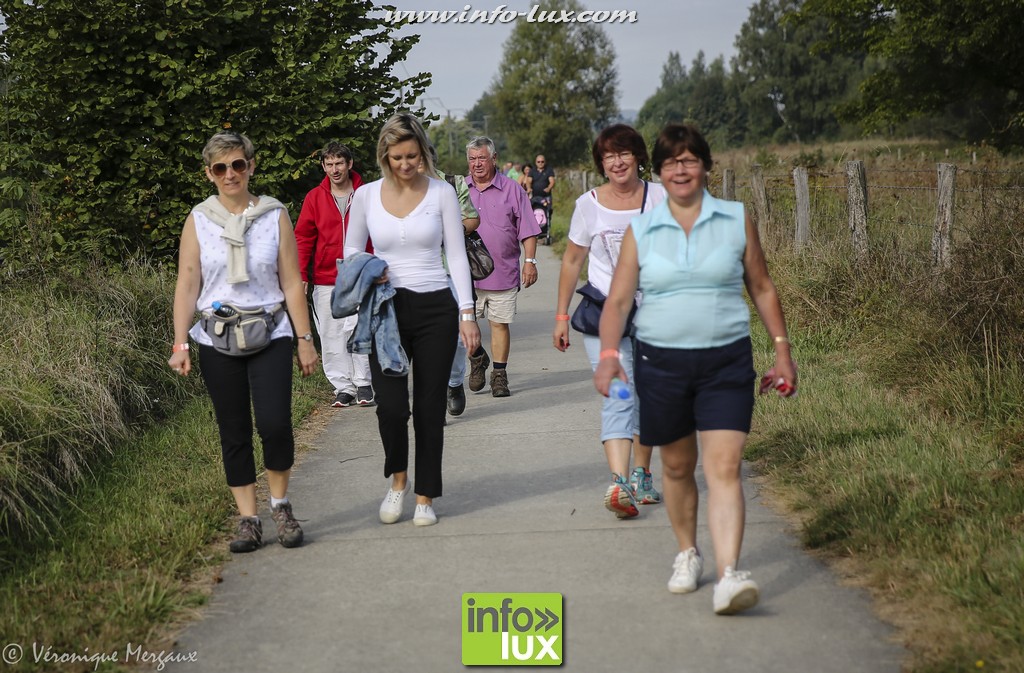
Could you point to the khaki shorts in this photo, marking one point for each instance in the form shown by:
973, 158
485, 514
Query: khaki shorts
497, 305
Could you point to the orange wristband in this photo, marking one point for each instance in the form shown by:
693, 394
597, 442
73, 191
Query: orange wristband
609, 353
561, 316
179, 347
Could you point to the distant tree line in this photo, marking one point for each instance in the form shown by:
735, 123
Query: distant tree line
808, 70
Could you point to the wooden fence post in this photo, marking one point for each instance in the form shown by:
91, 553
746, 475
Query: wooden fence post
944, 216
857, 207
760, 199
729, 185
803, 206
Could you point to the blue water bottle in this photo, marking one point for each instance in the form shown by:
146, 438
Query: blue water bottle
619, 390
222, 310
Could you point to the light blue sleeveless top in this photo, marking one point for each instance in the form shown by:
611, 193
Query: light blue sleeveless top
692, 285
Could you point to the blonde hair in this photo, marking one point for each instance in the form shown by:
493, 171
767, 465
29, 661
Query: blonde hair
225, 142
399, 128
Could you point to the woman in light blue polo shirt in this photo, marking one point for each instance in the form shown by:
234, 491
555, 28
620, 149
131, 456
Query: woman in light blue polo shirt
691, 256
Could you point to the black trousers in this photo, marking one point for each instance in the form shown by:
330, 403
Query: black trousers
428, 324
265, 380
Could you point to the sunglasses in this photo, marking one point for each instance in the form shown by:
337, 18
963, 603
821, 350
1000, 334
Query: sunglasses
220, 169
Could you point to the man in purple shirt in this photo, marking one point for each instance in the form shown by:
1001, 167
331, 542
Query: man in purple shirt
506, 220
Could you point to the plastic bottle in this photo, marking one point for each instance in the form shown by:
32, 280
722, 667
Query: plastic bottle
222, 310
619, 390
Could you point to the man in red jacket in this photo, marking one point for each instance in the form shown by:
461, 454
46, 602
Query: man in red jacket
320, 234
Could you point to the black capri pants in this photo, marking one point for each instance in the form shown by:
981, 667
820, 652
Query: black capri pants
428, 325
265, 380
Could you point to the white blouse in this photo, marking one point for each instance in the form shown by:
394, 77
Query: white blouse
411, 245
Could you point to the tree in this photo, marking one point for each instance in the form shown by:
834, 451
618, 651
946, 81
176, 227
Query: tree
114, 99
933, 56
789, 92
703, 96
556, 85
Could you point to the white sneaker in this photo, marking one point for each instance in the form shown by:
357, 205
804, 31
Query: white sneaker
424, 516
391, 507
686, 571
735, 592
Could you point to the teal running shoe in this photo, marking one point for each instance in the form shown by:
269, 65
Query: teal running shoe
641, 481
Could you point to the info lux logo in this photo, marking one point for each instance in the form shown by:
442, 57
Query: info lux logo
515, 629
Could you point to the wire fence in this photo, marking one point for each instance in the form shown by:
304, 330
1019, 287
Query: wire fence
926, 210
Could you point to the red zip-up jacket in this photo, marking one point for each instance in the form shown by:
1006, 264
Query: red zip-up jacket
320, 231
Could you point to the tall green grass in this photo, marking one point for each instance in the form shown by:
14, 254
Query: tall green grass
85, 366
903, 454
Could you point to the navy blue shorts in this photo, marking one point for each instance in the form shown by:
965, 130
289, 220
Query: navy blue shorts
685, 389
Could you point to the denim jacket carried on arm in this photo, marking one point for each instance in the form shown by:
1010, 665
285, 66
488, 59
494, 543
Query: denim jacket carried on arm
356, 291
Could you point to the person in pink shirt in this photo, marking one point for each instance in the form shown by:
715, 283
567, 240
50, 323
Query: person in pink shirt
506, 222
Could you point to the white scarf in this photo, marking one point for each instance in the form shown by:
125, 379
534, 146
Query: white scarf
235, 228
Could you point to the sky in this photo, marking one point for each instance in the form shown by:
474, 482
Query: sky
464, 57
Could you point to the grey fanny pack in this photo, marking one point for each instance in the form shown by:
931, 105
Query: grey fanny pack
240, 331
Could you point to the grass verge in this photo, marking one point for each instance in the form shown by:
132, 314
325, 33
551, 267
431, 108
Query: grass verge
132, 554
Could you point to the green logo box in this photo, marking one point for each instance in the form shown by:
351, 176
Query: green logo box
514, 629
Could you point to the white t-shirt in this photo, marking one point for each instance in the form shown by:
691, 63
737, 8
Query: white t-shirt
411, 245
263, 287
601, 230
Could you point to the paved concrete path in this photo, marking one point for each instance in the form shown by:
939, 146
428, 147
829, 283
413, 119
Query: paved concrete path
522, 512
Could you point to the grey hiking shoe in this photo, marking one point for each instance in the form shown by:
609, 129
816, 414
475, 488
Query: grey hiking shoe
499, 383
478, 371
248, 535
289, 533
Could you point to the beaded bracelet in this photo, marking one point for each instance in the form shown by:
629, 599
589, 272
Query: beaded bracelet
561, 316
609, 353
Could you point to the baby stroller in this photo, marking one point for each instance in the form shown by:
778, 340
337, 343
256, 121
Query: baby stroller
542, 212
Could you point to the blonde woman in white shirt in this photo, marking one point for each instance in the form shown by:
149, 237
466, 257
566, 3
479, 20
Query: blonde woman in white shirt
410, 216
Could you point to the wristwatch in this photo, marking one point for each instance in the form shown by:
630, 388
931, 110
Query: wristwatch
531, 260
308, 336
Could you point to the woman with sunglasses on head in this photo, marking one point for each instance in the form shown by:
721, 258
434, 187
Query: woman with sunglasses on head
410, 215
691, 257
599, 221
238, 249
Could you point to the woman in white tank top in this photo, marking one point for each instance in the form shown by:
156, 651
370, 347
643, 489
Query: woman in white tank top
239, 248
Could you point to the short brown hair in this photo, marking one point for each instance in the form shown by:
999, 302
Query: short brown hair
675, 139
619, 138
335, 149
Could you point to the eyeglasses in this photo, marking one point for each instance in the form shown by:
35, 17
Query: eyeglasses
674, 163
621, 156
220, 169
